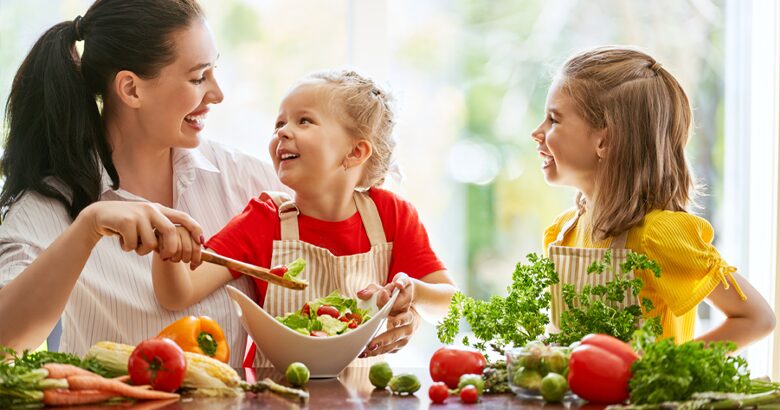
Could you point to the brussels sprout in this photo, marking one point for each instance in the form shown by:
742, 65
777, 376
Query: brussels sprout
528, 379
474, 380
297, 374
555, 362
380, 374
532, 357
405, 383
554, 387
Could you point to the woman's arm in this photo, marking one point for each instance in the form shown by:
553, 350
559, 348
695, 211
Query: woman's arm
746, 320
31, 304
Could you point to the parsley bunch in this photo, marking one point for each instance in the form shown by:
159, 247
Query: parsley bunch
519, 317
669, 372
595, 308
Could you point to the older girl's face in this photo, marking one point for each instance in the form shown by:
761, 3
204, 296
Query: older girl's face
176, 102
567, 144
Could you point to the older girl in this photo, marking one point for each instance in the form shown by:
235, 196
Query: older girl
615, 129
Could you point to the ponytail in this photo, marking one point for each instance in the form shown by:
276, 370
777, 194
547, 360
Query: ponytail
54, 127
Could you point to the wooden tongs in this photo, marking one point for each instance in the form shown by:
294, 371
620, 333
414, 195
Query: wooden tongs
247, 269
251, 270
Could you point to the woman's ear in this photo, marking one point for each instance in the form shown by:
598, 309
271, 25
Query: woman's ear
601, 137
126, 85
359, 154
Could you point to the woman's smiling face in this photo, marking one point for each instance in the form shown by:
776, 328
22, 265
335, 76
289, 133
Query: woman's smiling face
568, 145
176, 101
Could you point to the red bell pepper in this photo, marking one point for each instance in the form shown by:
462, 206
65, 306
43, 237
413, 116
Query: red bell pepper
600, 368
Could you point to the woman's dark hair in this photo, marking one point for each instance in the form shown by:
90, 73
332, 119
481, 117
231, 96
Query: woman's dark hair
56, 143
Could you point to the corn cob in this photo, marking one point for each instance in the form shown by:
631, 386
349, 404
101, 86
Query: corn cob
209, 377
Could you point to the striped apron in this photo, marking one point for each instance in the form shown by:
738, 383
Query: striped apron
324, 271
571, 264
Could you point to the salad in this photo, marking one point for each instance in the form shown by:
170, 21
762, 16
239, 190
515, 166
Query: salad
291, 270
332, 315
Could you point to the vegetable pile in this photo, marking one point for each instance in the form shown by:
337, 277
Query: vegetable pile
59, 379
329, 316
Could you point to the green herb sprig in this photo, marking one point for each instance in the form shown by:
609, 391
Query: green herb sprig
514, 320
669, 372
595, 308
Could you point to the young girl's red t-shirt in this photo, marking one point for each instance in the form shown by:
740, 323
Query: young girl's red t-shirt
249, 236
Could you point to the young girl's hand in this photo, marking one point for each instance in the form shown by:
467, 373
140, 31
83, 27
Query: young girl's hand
183, 248
402, 321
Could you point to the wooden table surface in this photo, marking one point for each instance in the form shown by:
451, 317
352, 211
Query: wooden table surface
351, 390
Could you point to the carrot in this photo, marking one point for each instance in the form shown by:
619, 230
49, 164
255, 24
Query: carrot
63, 371
64, 397
123, 379
100, 383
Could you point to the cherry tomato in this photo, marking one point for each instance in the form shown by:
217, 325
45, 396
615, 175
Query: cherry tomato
438, 392
305, 310
158, 362
328, 310
279, 270
449, 363
355, 317
469, 394
318, 333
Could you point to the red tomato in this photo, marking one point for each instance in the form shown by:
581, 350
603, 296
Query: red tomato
449, 363
318, 333
598, 376
279, 270
355, 317
158, 362
328, 310
438, 392
469, 394
305, 310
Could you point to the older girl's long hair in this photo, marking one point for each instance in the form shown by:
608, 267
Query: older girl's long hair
648, 120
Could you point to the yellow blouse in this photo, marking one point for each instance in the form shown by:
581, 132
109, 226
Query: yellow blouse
681, 243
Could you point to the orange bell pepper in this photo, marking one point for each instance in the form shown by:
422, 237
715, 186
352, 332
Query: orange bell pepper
199, 335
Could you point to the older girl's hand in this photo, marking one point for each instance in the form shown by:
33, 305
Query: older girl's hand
144, 227
402, 321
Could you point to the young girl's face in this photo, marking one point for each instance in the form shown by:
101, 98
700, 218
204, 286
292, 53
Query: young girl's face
568, 145
310, 144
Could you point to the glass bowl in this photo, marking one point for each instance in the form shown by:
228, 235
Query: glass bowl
527, 366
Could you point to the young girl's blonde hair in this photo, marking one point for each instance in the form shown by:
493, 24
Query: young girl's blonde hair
648, 120
366, 108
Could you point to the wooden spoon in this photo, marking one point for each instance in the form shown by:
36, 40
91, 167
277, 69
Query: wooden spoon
250, 270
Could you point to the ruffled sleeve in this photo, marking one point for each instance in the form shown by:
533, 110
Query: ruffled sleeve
551, 233
691, 267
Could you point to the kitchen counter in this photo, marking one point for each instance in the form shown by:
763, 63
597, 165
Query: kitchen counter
351, 390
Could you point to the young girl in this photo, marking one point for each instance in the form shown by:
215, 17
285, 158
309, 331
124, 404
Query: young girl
332, 145
616, 126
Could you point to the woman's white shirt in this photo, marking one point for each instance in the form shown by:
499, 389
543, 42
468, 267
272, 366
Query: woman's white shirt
113, 298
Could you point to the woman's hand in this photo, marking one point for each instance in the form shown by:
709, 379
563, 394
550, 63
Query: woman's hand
402, 321
144, 227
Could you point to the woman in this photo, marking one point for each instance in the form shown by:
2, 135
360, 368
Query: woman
84, 182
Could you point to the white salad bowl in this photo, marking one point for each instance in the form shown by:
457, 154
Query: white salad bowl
324, 356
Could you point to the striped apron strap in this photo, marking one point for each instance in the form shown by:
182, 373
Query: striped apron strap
288, 214
370, 216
